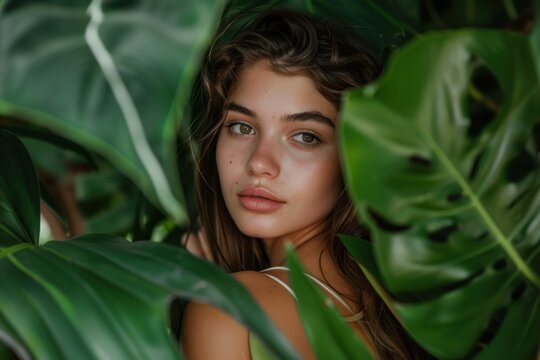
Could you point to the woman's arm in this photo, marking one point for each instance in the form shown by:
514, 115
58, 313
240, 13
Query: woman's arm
208, 333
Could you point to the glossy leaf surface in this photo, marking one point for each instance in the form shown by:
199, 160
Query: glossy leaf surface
116, 291
111, 76
452, 198
19, 194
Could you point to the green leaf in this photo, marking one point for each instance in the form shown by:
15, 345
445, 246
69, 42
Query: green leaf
535, 37
328, 333
453, 201
19, 194
380, 26
362, 251
99, 296
111, 76
519, 336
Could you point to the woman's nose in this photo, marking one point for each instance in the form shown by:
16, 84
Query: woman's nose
263, 161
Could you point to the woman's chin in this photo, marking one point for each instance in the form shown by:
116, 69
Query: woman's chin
258, 232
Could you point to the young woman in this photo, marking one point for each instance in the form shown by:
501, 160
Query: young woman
269, 172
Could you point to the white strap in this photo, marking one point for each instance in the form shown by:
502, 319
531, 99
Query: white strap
351, 318
282, 283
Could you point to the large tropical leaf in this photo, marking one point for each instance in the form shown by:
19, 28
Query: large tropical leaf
19, 194
445, 173
111, 76
100, 296
327, 331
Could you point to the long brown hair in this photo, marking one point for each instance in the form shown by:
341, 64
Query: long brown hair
335, 60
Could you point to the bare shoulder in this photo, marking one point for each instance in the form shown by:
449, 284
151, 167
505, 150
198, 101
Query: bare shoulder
279, 305
209, 333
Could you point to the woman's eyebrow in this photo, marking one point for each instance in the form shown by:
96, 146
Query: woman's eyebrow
309, 116
232, 106
302, 116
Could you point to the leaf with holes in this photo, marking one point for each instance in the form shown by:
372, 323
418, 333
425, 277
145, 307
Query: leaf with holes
111, 76
440, 159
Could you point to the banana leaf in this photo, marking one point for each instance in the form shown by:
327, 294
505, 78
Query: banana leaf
452, 194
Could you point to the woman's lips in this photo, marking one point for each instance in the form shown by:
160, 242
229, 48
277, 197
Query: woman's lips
259, 199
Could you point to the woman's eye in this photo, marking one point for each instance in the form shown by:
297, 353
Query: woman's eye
241, 129
306, 138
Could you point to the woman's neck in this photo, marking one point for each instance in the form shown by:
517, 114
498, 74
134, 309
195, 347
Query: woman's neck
309, 243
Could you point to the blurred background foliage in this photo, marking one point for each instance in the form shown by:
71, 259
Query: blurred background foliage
100, 93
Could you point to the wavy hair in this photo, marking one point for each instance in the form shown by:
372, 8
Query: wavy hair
334, 58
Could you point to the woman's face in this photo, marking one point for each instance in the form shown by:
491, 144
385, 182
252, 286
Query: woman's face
277, 155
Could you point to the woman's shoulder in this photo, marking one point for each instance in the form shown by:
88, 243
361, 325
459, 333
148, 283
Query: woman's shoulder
225, 338
278, 303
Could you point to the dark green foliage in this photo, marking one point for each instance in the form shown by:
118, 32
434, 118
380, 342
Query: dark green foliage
454, 213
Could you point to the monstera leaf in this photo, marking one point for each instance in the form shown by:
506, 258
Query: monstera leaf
444, 171
98, 296
111, 76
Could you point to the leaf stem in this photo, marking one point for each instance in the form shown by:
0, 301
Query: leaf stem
13, 249
481, 97
130, 113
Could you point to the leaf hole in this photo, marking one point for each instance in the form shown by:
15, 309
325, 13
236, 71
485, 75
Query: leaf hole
482, 236
386, 225
518, 291
493, 326
420, 161
455, 197
484, 97
520, 166
500, 264
442, 235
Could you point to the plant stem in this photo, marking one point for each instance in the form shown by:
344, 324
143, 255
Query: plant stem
482, 98
510, 9
13, 249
